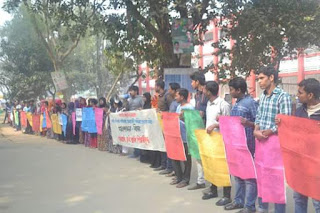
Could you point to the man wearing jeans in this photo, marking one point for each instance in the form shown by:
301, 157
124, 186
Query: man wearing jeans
309, 96
246, 107
273, 101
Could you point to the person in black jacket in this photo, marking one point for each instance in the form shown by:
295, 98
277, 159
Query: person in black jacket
309, 96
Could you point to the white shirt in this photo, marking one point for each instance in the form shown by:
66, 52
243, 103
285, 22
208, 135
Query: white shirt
216, 108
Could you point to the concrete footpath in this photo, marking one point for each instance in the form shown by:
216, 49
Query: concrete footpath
43, 175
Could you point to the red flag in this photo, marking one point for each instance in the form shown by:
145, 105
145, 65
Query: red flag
173, 141
23, 118
36, 123
300, 146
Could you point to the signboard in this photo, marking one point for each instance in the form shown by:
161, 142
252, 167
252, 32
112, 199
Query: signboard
78, 114
59, 80
138, 129
182, 36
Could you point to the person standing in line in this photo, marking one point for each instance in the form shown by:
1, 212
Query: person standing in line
146, 154
102, 139
246, 108
135, 102
182, 175
164, 101
272, 101
173, 88
198, 82
93, 136
309, 97
216, 107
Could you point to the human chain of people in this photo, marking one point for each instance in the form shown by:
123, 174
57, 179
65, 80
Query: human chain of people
261, 144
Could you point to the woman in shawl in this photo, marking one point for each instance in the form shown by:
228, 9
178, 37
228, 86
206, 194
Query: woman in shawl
82, 104
51, 107
146, 154
102, 139
93, 136
64, 111
70, 136
117, 107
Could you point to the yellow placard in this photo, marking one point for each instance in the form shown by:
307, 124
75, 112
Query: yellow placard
56, 127
160, 120
213, 157
29, 118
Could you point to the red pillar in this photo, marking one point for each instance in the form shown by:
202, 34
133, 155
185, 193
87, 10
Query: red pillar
253, 91
147, 79
140, 81
300, 65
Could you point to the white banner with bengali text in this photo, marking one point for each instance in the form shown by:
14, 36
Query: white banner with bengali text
138, 129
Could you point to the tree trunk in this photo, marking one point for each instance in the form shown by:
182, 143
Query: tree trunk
114, 85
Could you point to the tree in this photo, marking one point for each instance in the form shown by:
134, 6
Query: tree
265, 32
60, 24
145, 28
24, 63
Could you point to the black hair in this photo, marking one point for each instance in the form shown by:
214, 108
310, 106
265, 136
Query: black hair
104, 102
268, 71
134, 88
147, 95
238, 83
176, 42
46, 103
94, 101
160, 83
184, 93
212, 87
174, 86
311, 85
198, 76
65, 105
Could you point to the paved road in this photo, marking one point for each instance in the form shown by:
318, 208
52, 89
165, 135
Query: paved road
42, 175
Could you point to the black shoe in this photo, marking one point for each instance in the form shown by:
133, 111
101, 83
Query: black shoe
246, 210
209, 195
233, 205
159, 168
223, 201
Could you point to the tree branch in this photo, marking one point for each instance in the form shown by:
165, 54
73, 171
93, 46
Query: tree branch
144, 21
74, 45
36, 27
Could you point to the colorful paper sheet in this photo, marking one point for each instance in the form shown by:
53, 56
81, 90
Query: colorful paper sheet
41, 122
16, 118
78, 114
160, 120
300, 146
23, 119
64, 123
98, 113
88, 120
213, 158
29, 117
172, 136
49, 124
138, 129
193, 121
36, 123
270, 171
239, 158
74, 123
56, 127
